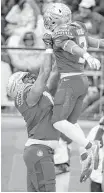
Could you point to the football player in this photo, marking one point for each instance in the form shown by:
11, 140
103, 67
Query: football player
69, 42
33, 100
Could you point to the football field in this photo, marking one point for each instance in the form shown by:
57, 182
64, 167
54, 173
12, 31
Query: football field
13, 170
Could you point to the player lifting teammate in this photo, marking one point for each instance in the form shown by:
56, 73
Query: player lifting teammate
33, 100
69, 42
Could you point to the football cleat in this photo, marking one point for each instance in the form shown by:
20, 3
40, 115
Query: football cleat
90, 161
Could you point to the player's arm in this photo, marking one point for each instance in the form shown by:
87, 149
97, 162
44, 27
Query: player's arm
95, 43
37, 89
53, 78
73, 48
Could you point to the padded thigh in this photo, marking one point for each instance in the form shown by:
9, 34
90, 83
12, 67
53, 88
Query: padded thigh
64, 102
68, 92
64, 91
40, 168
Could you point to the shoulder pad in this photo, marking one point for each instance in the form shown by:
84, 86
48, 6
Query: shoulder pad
63, 30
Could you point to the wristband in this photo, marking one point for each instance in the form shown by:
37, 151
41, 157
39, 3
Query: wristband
49, 51
86, 55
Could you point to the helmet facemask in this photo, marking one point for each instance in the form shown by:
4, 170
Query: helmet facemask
29, 78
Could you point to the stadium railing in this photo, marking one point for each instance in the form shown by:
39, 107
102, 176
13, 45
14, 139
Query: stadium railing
92, 73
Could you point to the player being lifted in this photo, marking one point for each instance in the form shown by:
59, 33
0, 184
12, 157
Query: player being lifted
69, 42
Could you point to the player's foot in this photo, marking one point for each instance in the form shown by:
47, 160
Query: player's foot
90, 161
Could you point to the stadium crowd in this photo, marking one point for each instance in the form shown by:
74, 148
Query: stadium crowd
22, 26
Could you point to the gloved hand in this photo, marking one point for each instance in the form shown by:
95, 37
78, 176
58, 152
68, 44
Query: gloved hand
93, 62
47, 38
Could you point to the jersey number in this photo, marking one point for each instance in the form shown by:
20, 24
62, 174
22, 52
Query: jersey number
82, 44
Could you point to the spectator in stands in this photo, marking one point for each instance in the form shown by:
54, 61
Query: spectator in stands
23, 14
3, 25
6, 6
92, 101
23, 59
99, 7
27, 38
73, 4
94, 21
5, 70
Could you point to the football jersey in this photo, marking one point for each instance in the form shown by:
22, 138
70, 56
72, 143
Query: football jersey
67, 62
38, 117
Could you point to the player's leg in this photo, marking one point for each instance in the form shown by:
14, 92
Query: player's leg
85, 159
65, 99
69, 105
40, 167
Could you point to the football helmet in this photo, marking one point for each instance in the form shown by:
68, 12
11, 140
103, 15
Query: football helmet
56, 14
15, 84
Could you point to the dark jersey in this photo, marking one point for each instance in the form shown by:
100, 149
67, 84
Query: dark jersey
38, 117
67, 62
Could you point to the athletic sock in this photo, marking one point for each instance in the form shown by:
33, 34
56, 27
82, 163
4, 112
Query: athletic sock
71, 131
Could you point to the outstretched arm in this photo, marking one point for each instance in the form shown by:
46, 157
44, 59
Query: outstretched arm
38, 87
73, 48
53, 79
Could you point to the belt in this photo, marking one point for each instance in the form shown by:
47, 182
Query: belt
63, 75
50, 143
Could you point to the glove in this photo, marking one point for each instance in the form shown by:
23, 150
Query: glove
93, 62
47, 38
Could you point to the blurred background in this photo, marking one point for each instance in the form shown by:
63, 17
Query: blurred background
22, 27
